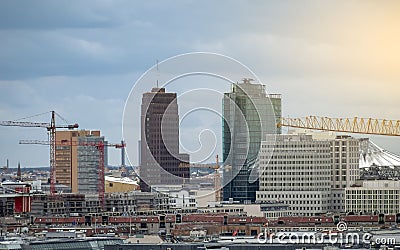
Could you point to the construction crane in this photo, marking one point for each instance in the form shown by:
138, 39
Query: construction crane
349, 125
51, 128
217, 178
98, 145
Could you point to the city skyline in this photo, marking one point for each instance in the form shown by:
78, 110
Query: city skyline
66, 56
200, 124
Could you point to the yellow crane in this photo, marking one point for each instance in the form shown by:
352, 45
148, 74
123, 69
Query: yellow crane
350, 125
217, 178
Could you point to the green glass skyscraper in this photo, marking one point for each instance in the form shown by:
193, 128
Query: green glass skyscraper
249, 114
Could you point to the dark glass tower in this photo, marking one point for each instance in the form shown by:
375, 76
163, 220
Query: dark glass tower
249, 114
161, 163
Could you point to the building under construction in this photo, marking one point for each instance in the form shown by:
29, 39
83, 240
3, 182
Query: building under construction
78, 160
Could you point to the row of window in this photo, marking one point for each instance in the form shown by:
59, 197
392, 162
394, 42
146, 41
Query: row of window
296, 172
292, 181
293, 196
385, 210
272, 162
297, 144
376, 192
369, 198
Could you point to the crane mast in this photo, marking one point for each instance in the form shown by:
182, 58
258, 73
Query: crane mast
52, 135
51, 128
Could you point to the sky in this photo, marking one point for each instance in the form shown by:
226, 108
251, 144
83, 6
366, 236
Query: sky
82, 58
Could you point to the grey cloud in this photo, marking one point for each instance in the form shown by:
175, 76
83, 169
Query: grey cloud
82, 57
47, 14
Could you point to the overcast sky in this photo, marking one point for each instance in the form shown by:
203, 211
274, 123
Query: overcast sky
81, 58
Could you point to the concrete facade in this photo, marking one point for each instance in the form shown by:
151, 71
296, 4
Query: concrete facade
345, 169
298, 173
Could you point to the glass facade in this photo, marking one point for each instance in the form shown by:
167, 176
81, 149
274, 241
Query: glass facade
249, 114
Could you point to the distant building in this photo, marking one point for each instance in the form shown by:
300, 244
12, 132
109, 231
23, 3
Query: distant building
65, 204
234, 208
275, 209
179, 198
373, 197
249, 114
19, 172
160, 160
120, 185
376, 172
136, 202
78, 160
15, 198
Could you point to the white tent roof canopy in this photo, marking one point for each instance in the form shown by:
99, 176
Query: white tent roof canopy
372, 154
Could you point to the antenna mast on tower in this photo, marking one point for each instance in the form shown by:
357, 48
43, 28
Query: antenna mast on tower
158, 73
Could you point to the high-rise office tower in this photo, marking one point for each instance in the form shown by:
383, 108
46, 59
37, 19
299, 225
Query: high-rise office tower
160, 160
78, 160
249, 114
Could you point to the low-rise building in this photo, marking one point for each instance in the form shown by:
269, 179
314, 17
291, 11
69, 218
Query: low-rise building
373, 197
120, 185
137, 202
274, 209
233, 208
179, 198
64, 204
